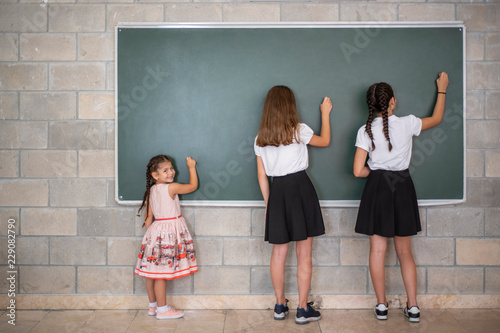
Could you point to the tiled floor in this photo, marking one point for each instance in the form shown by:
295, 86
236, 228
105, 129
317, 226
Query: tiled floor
207, 321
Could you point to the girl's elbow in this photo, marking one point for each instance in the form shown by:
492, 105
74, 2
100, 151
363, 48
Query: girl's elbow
437, 120
193, 187
324, 143
431, 124
261, 175
358, 173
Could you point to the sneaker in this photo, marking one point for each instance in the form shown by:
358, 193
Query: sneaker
152, 310
280, 311
412, 313
306, 316
381, 311
171, 313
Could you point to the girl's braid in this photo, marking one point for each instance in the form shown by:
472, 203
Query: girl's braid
378, 98
385, 121
370, 100
384, 96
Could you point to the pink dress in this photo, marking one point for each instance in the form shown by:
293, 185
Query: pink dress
167, 250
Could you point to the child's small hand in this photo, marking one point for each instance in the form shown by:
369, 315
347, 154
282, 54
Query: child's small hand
442, 82
326, 106
190, 162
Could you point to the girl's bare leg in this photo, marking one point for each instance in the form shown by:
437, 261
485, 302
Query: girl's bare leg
378, 246
278, 258
304, 269
150, 287
161, 292
408, 269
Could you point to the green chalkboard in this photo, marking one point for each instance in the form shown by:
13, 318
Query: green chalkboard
198, 90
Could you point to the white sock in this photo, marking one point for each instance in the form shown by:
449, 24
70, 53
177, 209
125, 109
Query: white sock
162, 309
153, 305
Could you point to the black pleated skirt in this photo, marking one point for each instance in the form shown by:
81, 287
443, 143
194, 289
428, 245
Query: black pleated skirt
388, 205
293, 211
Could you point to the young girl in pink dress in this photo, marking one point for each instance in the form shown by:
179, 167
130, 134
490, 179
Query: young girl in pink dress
167, 250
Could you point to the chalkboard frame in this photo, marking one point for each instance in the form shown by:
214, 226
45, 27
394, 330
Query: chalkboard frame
280, 25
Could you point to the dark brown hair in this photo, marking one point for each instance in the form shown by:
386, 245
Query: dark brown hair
150, 181
377, 98
279, 121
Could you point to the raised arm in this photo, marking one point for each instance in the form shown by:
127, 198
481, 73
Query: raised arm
360, 169
437, 114
323, 140
178, 188
263, 181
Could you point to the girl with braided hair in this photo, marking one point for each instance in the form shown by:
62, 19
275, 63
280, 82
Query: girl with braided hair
388, 206
167, 250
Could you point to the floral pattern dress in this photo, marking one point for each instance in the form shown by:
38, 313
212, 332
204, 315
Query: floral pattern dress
167, 250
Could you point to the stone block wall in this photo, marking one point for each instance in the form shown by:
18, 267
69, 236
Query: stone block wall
73, 241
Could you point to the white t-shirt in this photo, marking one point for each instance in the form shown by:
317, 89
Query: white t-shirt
284, 160
401, 132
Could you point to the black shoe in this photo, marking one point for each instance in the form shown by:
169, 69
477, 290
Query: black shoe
280, 311
413, 314
306, 316
381, 311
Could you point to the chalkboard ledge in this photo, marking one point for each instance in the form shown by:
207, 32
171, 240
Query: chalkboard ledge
323, 203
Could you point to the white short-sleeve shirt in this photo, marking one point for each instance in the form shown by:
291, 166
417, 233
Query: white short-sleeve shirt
285, 160
401, 132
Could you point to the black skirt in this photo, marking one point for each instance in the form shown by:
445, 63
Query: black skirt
293, 211
388, 205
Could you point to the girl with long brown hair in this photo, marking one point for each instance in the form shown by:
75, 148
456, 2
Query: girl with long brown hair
292, 206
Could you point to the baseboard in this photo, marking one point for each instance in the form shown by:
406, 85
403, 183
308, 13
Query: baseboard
239, 302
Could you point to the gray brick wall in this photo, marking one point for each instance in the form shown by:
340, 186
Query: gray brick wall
57, 160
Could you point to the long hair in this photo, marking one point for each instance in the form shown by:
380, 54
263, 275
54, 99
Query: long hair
279, 122
377, 98
150, 181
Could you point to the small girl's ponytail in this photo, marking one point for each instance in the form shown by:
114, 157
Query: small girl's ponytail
152, 167
378, 97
